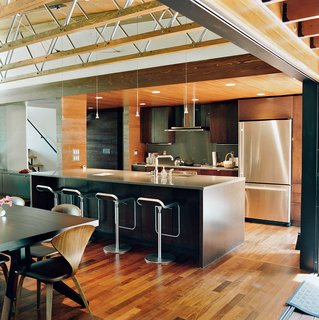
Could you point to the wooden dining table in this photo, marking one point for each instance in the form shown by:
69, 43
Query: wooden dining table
22, 227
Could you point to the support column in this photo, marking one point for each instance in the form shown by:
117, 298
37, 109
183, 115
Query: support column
309, 199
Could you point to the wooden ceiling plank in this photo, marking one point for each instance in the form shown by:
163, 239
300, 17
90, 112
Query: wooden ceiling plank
309, 28
297, 10
85, 24
20, 6
120, 59
103, 45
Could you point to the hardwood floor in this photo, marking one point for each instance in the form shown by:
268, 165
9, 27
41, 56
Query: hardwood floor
252, 282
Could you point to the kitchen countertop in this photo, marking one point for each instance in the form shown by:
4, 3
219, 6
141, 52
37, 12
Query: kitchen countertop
142, 178
202, 167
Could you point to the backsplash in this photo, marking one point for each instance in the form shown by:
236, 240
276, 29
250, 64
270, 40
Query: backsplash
195, 147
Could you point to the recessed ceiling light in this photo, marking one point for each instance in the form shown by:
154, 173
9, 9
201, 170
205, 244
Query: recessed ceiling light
195, 99
142, 104
260, 94
230, 84
156, 91
98, 98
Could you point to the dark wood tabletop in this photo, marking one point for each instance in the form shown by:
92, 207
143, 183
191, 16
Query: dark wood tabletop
24, 226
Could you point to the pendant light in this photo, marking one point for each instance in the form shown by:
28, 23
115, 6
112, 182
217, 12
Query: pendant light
185, 91
97, 98
137, 114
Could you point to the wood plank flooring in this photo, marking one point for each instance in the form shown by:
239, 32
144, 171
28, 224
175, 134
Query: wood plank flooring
252, 282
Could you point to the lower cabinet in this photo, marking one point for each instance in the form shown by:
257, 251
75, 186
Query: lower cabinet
232, 173
15, 184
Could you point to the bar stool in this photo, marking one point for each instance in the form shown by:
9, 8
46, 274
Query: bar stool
160, 257
55, 193
116, 247
75, 193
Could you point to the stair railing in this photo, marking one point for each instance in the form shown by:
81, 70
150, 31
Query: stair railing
42, 136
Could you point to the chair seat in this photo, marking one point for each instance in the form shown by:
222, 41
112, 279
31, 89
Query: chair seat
4, 258
41, 251
49, 270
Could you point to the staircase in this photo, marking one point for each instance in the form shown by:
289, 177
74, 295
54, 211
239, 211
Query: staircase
33, 165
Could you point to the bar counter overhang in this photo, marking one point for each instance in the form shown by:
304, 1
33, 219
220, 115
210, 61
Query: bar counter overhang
212, 207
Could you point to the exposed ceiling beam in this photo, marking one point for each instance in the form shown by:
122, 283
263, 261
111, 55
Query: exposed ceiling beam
297, 10
103, 45
315, 42
249, 25
117, 59
20, 6
85, 24
309, 28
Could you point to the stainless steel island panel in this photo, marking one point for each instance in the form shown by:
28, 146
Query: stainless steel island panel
223, 220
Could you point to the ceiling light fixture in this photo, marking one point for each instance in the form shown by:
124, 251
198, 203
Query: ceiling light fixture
142, 104
137, 114
57, 6
230, 84
185, 90
97, 98
260, 94
156, 91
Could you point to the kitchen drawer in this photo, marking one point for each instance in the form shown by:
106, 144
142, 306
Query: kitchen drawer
232, 173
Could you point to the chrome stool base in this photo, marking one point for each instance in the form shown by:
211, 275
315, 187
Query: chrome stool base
153, 258
111, 248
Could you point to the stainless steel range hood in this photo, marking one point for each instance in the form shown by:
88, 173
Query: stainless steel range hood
188, 122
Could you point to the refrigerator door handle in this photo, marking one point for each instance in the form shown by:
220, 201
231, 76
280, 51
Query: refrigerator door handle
266, 188
241, 149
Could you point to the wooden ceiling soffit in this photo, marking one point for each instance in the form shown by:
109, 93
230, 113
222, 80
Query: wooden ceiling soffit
297, 10
254, 28
103, 45
20, 6
118, 59
214, 69
85, 24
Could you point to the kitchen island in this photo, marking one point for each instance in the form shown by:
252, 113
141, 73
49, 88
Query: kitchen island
212, 207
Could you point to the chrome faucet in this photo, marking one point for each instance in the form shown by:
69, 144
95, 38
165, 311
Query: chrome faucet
156, 162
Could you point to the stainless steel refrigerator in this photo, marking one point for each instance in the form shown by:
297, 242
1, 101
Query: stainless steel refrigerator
265, 161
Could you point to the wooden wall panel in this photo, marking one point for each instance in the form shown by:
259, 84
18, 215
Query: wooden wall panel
134, 139
266, 108
73, 131
296, 160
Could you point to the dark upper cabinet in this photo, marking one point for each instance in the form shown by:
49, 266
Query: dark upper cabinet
224, 122
154, 121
